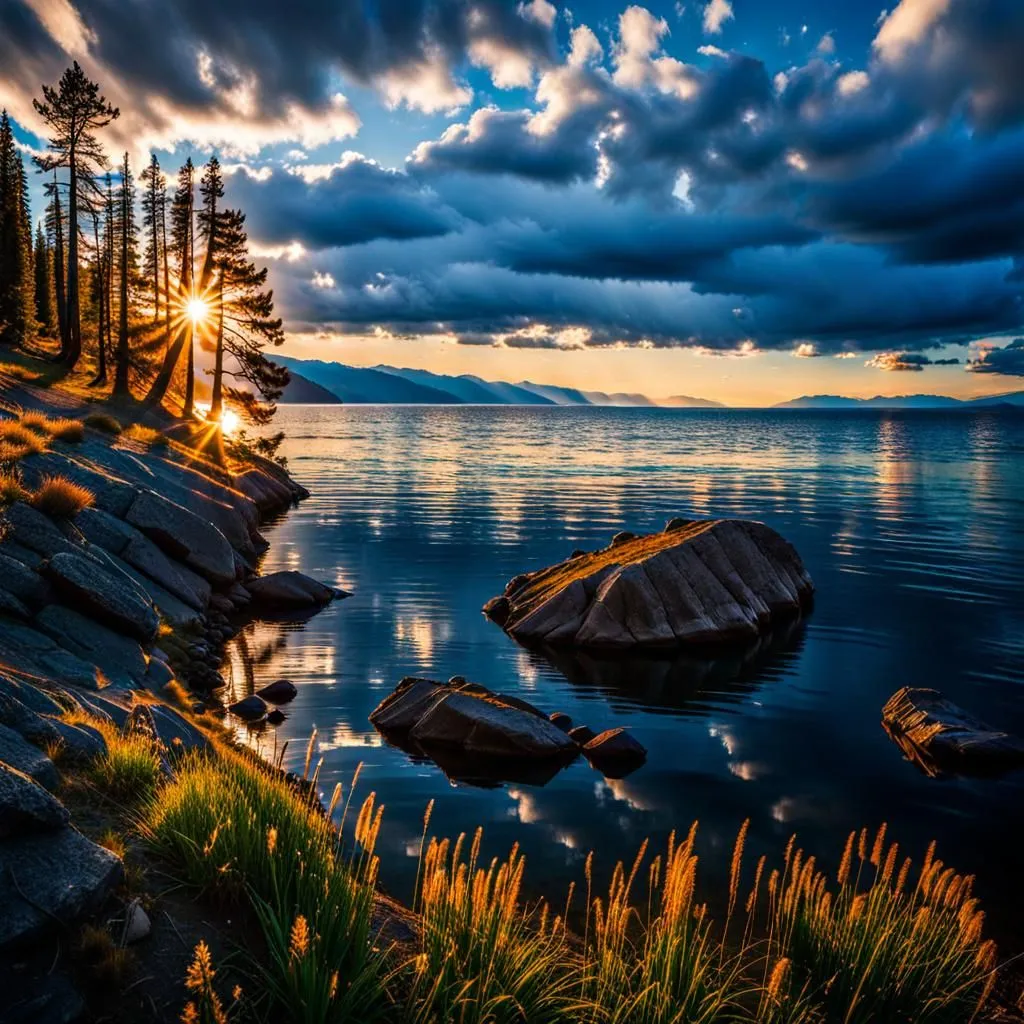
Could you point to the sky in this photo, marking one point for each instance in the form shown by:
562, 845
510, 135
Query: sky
742, 200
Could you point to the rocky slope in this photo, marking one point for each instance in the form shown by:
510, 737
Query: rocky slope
167, 550
697, 582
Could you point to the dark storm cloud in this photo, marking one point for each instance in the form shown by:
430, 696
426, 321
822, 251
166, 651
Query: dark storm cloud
352, 202
1008, 360
913, 362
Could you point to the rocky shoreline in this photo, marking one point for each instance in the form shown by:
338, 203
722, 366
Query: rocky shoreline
116, 616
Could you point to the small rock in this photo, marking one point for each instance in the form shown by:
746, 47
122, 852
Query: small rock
621, 537
577, 553
582, 734
289, 590
561, 720
676, 523
615, 753
251, 708
221, 603
276, 716
457, 681
278, 692
136, 924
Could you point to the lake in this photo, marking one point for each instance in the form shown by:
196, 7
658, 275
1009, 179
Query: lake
911, 524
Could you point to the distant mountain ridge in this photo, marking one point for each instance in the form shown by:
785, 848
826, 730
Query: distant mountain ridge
316, 381
391, 385
1014, 398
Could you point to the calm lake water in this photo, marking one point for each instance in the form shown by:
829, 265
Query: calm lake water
911, 523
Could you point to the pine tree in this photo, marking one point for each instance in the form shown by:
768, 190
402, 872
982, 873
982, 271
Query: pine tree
17, 317
75, 110
211, 187
46, 310
102, 307
128, 272
55, 225
183, 243
154, 202
246, 325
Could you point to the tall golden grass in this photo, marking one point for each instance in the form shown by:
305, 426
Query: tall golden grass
875, 941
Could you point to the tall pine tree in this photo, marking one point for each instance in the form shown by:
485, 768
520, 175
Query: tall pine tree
46, 309
17, 314
128, 272
154, 203
183, 242
246, 325
74, 111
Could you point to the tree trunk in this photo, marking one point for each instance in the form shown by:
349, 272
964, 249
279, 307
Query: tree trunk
101, 342
167, 280
121, 369
217, 399
58, 273
74, 348
190, 372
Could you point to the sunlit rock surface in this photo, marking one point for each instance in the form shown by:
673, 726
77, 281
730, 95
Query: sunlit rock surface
940, 737
696, 582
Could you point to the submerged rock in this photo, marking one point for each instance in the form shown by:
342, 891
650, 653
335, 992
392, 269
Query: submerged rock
939, 736
289, 590
615, 753
702, 582
472, 719
250, 709
278, 692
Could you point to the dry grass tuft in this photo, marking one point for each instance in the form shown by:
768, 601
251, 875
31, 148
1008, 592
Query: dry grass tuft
61, 498
17, 441
103, 422
146, 436
60, 428
11, 489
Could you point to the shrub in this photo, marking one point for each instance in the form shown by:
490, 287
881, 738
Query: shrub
103, 422
61, 498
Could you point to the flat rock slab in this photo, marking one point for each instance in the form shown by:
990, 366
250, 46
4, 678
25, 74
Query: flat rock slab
17, 752
184, 536
472, 719
699, 582
97, 592
941, 737
49, 880
288, 590
119, 657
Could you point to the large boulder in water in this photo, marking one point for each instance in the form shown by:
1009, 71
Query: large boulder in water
473, 719
289, 590
941, 737
697, 582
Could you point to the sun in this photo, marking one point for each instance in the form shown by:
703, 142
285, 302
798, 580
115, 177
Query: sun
197, 310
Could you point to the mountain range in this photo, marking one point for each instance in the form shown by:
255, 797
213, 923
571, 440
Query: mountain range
317, 382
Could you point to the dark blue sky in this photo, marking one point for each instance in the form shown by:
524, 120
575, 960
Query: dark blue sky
669, 198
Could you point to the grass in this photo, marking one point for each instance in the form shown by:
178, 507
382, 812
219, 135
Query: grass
11, 489
103, 422
146, 436
875, 941
61, 498
60, 428
17, 441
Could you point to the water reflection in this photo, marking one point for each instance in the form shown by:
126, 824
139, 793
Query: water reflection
681, 682
910, 525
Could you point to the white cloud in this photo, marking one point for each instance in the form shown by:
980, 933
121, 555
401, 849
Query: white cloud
510, 68
852, 82
540, 11
826, 44
583, 47
425, 85
716, 14
323, 280
906, 25
710, 50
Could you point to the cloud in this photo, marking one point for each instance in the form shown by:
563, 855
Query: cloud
716, 14
826, 45
1008, 360
913, 362
249, 73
